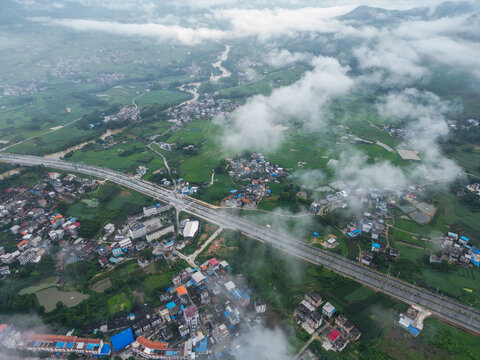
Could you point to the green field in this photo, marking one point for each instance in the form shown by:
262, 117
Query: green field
44, 284
119, 302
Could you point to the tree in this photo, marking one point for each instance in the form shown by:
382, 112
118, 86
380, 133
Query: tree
117, 357
147, 254
72, 356
89, 228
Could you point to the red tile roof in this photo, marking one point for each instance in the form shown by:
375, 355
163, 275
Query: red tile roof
334, 335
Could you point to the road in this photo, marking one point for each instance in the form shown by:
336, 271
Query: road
443, 308
312, 338
164, 161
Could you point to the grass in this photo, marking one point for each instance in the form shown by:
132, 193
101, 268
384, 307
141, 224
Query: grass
44, 284
115, 204
101, 285
454, 282
162, 281
119, 302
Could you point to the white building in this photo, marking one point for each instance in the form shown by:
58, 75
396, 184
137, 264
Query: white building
138, 231
150, 210
161, 232
328, 310
109, 228
191, 317
191, 229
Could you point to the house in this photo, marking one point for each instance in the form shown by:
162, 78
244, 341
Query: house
260, 306
393, 253
220, 332
313, 298
434, 259
367, 258
125, 244
347, 327
103, 261
198, 278
328, 310
192, 318
142, 262
5, 270
27, 256
336, 340
109, 229
117, 252
463, 240
378, 246
309, 315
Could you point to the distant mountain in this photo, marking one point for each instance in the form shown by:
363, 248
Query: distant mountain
451, 8
376, 16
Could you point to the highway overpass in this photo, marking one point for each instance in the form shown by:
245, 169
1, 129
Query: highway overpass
443, 308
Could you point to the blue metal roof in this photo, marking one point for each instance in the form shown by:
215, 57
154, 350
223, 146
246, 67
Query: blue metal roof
413, 330
376, 245
60, 344
170, 305
122, 339
202, 346
106, 349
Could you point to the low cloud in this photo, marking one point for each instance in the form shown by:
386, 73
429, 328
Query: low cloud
184, 35
258, 124
283, 57
423, 115
262, 344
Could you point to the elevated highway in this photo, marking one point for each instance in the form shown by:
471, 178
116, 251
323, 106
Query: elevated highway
443, 308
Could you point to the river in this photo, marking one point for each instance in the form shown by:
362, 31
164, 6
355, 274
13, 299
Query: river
59, 154
218, 65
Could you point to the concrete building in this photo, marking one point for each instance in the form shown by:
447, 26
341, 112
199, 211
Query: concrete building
328, 310
191, 317
150, 210
155, 350
64, 344
138, 231
161, 232
191, 229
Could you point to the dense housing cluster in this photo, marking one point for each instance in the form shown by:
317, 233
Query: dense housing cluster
200, 109
338, 331
30, 216
254, 174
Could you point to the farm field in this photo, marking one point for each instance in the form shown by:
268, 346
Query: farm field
48, 298
44, 284
101, 285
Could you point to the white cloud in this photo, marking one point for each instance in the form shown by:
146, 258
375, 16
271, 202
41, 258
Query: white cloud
283, 57
255, 126
405, 50
267, 23
185, 35
262, 344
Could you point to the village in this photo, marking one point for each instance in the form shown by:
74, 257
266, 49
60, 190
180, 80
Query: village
203, 313
377, 216
254, 174
207, 107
